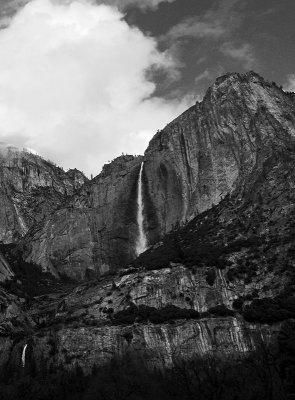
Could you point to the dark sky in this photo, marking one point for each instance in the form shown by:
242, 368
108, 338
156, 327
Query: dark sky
82, 81
253, 34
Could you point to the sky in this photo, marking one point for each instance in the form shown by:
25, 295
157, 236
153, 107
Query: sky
83, 81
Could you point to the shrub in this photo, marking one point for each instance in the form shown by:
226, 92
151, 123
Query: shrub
210, 276
221, 311
270, 310
238, 303
145, 313
23, 283
171, 312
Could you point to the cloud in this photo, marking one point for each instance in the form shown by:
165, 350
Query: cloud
195, 28
205, 75
143, 4
9, 7
216, 22
242, 53
74, 87
209, 74
290, 85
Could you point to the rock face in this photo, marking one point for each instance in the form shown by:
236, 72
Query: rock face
5, 270
94, 230
160, 345
203, 155
30, 189
191, 165
81, 328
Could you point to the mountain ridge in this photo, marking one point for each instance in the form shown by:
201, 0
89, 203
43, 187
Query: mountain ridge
190, 165
30, 188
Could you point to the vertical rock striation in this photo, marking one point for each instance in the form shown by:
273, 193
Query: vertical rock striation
161, 345
96, 229
202, 155
30, 189
5, 270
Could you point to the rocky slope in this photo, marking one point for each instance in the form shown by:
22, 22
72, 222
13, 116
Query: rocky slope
30, 189
189, 166
133, 312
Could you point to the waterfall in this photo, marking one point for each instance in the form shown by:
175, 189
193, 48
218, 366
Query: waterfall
24, 355
141, 243
21, 221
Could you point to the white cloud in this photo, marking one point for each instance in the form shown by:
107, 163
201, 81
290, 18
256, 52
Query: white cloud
242, 53
219, 20
143, 4
195, 28
290, 85
204, 76
10, 7
73, 84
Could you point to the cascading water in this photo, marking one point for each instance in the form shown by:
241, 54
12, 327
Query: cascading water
141, 244
24, 355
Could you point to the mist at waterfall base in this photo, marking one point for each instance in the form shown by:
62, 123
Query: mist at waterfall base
141, 243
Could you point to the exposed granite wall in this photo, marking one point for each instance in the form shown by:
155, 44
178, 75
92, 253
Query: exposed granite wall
96, 229
203, 154
30, 189
5, 269
160, 344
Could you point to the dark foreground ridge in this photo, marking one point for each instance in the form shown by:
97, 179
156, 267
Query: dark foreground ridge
267, 373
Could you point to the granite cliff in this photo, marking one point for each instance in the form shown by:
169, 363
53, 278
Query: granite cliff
189, 166
93, 230
164, 315
206, 152
30, 189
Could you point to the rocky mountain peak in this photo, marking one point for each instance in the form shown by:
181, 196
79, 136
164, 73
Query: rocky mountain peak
248, 77
250, 92
119, 165
77, 177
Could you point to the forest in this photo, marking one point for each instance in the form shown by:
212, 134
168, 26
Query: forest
268, 374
